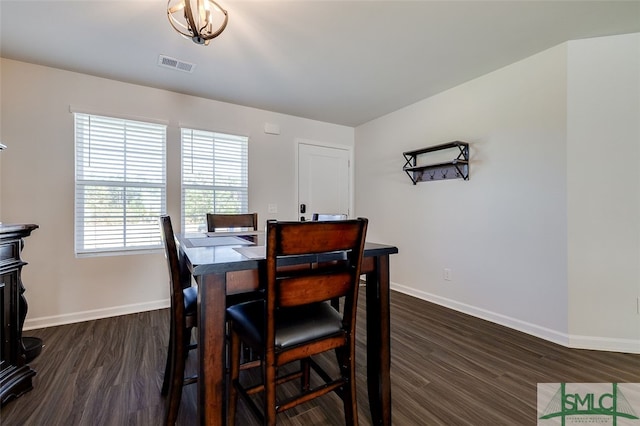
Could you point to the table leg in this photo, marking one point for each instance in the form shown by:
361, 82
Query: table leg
211, 344
379, 342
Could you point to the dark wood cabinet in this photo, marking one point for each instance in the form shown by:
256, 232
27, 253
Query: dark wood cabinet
15, 374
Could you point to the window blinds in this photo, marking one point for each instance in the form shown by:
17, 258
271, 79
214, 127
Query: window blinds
214, 176
120, 184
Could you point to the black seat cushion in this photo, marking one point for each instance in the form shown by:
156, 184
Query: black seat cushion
293, 325
190, 300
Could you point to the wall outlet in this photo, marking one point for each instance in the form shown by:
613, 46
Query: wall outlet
447, 274
272, 208
638, 305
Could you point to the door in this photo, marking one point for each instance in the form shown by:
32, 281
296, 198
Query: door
324, 180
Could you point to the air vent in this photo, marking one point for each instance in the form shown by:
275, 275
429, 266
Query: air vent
176, 64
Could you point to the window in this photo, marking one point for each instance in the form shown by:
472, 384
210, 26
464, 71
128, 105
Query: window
214, 176
120, 184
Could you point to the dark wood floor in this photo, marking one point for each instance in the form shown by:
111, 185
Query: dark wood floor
447, 369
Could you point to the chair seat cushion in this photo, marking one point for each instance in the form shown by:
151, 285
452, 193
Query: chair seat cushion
190, 300
293, 325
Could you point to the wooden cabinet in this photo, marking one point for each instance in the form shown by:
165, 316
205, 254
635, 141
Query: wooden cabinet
15, 374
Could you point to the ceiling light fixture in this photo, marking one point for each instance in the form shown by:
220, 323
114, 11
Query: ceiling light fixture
199, 20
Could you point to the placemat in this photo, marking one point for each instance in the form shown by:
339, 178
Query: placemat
253, 252
219, 241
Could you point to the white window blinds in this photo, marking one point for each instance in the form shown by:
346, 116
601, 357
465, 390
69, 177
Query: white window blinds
120, 184
214, 176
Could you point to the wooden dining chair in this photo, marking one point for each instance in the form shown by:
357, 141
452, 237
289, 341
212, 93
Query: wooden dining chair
183, 314
183, 318
295, 321
216, 222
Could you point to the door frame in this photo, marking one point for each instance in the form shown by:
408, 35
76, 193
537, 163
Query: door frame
348, 148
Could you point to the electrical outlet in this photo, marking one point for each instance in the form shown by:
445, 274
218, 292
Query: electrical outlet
447, 274
638, 305
272, 208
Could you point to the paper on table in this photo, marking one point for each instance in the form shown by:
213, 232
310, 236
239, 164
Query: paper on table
253, 252
233, 232
219, 241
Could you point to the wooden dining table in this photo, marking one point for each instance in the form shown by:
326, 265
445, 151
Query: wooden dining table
228, 263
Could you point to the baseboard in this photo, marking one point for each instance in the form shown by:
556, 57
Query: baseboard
50, 321
564, 339
604, 344
570, 341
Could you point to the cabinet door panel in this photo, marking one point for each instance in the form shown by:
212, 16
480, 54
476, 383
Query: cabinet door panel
5, 330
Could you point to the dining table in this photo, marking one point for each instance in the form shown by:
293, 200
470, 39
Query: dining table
228, 263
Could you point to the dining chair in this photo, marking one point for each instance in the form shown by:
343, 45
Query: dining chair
325, 216
295, 322
225, 221
183, 313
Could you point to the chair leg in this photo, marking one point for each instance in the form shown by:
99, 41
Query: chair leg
269, 381
234, 356
172, 403
304, 380
348, 394
187, 340
167, 369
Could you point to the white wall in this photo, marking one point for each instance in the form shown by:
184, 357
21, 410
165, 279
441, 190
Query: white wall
506, 233
604, 189
37, 181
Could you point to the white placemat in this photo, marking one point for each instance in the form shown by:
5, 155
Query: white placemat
252, 252
228, 233
219, 241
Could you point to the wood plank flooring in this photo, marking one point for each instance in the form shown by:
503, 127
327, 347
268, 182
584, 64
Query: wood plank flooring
447, 369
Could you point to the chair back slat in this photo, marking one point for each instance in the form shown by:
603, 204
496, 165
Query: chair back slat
295, 238
225, 221
313, 288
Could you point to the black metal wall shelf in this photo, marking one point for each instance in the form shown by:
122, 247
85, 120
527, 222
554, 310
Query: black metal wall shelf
458, 168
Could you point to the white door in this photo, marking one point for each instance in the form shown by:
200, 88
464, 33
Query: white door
324, 180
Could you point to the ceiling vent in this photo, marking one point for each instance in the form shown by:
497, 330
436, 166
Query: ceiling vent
176, 64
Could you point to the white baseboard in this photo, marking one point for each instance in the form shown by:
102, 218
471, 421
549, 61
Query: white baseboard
50, 321
564, 339
570, 341
605, 344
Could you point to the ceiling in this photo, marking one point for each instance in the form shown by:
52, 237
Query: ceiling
343, 62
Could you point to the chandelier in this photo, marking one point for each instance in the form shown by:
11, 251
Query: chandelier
199, 20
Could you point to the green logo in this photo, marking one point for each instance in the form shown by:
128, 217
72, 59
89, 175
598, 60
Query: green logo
592, 403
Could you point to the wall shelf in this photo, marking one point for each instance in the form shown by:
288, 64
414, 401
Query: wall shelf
457, 168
